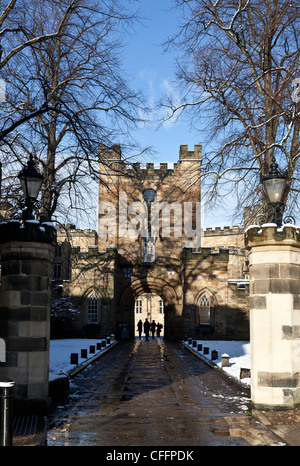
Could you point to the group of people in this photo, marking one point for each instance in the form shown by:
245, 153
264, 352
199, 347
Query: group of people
149, 327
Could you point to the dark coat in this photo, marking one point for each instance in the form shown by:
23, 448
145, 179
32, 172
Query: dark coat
152, 326
146, 326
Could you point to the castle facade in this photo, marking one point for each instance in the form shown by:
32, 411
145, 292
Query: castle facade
150, 257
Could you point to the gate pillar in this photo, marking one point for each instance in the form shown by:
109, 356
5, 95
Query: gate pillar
27, 254
274, 272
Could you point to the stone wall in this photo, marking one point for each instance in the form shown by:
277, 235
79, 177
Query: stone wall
77, 237
206, 273
223, 237
93, 273
180, 284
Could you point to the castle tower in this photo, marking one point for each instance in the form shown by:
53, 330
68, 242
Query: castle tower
150, 213
148, 250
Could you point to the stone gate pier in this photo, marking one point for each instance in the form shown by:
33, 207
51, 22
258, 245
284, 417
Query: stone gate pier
27, 254
274, 272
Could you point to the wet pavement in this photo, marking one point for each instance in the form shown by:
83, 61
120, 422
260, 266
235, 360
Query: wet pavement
154, 393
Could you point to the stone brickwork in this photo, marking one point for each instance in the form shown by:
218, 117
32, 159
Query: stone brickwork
122, 185
93, 273
179, 284
76, 237
187, 280
206, 273
27, 254
226, 237
274, 271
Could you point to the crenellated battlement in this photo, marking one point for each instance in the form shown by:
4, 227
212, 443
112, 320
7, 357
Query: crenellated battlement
113, 154
72, 229
189, 254
152, 167
226, 230
186, 156
227, 255
270, 234
223, 236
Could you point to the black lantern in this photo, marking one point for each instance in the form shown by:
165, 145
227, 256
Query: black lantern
274, 185
31, 182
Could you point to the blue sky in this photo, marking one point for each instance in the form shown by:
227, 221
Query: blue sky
154, 73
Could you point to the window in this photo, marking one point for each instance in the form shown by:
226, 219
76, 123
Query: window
57, 271
92, 310
161, 306
204, 311
58, 250
138, 306
127, 273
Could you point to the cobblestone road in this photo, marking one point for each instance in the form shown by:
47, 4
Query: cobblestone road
154, 393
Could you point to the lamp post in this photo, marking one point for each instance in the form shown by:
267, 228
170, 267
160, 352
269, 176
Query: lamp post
274, 185
31, 182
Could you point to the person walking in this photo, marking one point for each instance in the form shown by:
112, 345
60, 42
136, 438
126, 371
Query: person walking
152, 328
159, 327
146, 328
140, 328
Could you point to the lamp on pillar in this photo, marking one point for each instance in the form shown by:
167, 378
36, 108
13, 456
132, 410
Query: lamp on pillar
274, 185
31, 182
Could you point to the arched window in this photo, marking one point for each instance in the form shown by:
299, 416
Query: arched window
204, 311
92, 310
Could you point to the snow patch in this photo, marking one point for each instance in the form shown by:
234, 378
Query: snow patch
238, 352
60, 354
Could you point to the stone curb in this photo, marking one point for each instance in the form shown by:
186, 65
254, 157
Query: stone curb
224, 374
73, 372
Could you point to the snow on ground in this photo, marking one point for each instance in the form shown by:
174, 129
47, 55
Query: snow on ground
238, 352
60, 355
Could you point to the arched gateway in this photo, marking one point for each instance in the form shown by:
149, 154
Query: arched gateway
171, 303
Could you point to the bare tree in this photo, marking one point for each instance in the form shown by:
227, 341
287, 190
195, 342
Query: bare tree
77, 76
15, 19
239, 73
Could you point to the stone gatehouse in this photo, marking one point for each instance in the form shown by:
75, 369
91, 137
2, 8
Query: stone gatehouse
150, 257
